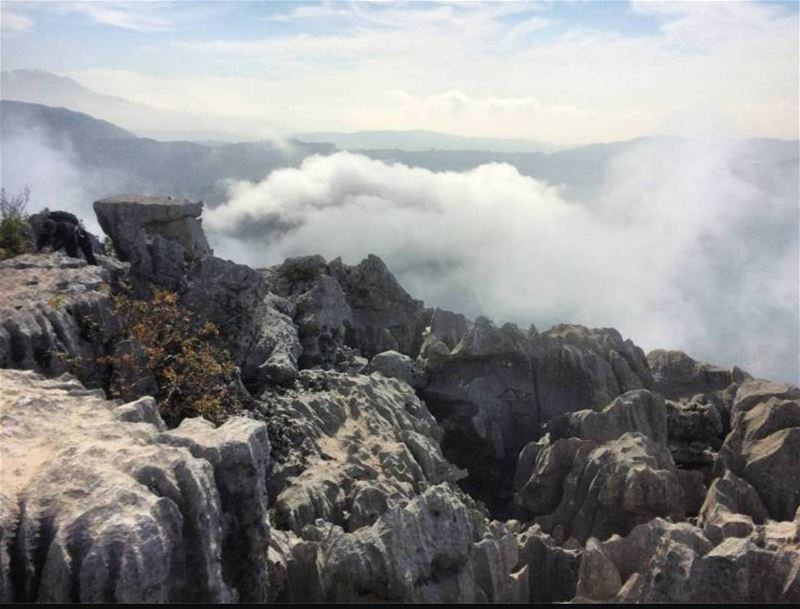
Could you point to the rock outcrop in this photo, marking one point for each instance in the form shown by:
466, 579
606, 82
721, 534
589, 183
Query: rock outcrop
605, 489
355, 446
436, 548
662, 562
100, 504
339, 308
380, 440
55, 313
163, 240
160, 236
494, 388
763, 446
677, 375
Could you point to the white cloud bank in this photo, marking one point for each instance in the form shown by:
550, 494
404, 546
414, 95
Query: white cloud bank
679, 251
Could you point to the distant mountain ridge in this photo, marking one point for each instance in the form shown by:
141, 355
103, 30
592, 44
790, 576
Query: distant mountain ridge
420, 139
39, 87
115, 160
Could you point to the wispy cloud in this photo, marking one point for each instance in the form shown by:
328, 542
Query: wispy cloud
137, 16
14, 23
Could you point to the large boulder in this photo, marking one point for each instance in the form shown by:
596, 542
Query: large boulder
102, 505
732, 508
160, 236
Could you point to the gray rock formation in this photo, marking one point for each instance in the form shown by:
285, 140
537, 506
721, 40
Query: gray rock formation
160, 236
676, 375
599, 490
611, 569
639, 410
385, 317
55, 313
436, 548
396, 365
731, 508
339, 307
101, 505
599, 473
356, 447
495, 388
760, 569
763, 446
255, 324
164, 241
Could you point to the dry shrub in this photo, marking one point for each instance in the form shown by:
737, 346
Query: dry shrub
192, 369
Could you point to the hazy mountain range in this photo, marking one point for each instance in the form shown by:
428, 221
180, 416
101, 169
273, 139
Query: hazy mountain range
421, 140
39, 87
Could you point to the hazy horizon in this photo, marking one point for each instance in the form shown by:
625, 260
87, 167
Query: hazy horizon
561, 73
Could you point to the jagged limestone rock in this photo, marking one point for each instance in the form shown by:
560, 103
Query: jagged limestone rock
607, 566
763, 446
357, 445
676, 375
731, 508
738, 570
338, 306
254, 323
496, 387
385, 317
164, 241
639, 410
602, 489
55, 313
396, 365
436, 548
107, 507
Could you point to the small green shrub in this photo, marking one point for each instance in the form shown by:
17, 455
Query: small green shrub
14, 230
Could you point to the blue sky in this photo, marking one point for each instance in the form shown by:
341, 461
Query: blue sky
569, 71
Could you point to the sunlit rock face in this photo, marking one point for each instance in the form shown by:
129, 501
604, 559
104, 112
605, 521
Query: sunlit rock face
101, 504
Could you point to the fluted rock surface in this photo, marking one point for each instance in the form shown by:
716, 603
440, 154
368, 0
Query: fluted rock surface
605, 472
55, 313
100, 504
355, 446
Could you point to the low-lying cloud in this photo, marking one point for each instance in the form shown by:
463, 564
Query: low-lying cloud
681, 249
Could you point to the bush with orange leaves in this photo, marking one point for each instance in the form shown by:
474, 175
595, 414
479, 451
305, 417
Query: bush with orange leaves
193, 371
